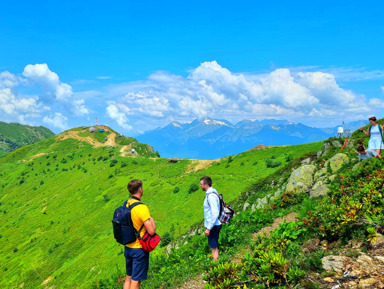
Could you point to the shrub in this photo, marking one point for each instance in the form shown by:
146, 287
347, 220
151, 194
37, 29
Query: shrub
193, 188
176, 190
272, 164
165, 239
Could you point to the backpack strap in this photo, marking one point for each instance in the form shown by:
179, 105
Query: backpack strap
217, 195
133, 205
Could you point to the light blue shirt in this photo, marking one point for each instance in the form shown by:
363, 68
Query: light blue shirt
211, 209
369, 154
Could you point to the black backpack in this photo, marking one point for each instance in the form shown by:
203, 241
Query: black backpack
123, 229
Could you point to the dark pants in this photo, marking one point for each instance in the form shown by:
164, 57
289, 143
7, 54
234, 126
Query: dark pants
213, 238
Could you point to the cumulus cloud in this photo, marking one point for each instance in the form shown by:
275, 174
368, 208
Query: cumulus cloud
214, 91
53, 88
58, 120
119, 114
20, 107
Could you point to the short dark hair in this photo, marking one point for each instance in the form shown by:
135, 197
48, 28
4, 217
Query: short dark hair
360, 148
207, 180
373, 118
134, 186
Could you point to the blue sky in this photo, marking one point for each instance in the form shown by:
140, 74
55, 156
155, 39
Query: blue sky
137, 65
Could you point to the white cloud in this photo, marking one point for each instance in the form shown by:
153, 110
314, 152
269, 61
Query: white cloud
214, 91
118, 113
8, 80
382, 89
58, 121
53, 88
10, 104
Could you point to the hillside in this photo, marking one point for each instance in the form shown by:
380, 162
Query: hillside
58, 195
15, 135
317, 222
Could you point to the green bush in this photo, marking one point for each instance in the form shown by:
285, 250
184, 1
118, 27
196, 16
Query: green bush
193, 188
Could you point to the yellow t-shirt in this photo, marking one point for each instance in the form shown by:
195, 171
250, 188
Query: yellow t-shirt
139, 214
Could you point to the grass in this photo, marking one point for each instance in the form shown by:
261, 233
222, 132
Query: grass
57, 199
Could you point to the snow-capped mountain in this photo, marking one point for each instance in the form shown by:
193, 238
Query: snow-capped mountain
211, 139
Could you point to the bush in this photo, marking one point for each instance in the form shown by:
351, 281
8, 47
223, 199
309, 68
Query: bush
272, 164
193, 188
176, 190
165, 239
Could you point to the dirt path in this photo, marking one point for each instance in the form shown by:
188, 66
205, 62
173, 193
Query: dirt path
111, 141
199, 165
288, 218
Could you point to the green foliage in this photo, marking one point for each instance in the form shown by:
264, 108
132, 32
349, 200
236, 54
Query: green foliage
272, 164
356, 197
165, 239
193, 188
176, 190
223, 276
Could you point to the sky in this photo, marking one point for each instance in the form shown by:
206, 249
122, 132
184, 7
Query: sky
138, 65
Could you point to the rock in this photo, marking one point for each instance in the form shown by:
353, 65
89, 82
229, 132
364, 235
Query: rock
319, 153
329, 280
306, 251
336, 144
332, 178
355, 166
337, 161
324, 245
355, 244
327, 146
306, 161
350, 143
301, 179
261, 203
378, 242
368, 283
246, 205
352, 283
319, 189
253, 208
335, 263
379, 258
320, 173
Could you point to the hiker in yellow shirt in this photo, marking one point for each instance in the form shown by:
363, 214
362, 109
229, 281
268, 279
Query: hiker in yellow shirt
137, 260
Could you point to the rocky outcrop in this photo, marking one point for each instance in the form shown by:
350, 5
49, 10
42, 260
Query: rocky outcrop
301, 179
319, 189
337, 161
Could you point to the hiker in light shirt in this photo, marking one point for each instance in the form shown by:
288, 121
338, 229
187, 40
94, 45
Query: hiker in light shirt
211, 215
365, 154
375, 132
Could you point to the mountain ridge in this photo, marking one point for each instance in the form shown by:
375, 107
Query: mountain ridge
209, 138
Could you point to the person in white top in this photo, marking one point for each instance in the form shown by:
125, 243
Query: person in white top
375, 132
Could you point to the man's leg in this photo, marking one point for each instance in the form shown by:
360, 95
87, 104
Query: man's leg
215, 254
130, 284
127, 283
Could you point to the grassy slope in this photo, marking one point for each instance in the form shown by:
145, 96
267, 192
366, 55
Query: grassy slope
56, 215
15, 135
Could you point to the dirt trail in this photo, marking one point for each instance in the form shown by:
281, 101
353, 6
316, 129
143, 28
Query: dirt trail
288, 218
199, 165
111, 141
198, 283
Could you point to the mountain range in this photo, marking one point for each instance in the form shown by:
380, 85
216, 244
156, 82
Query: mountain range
210, 138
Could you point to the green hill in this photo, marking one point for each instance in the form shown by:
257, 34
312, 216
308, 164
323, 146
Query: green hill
15, 135
57, 198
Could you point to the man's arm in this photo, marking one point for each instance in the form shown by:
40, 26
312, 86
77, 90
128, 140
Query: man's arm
150, 226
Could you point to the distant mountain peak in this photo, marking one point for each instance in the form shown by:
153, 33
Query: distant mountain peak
209, 121
176, 124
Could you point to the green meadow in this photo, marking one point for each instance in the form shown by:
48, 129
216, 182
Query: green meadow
57, 199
